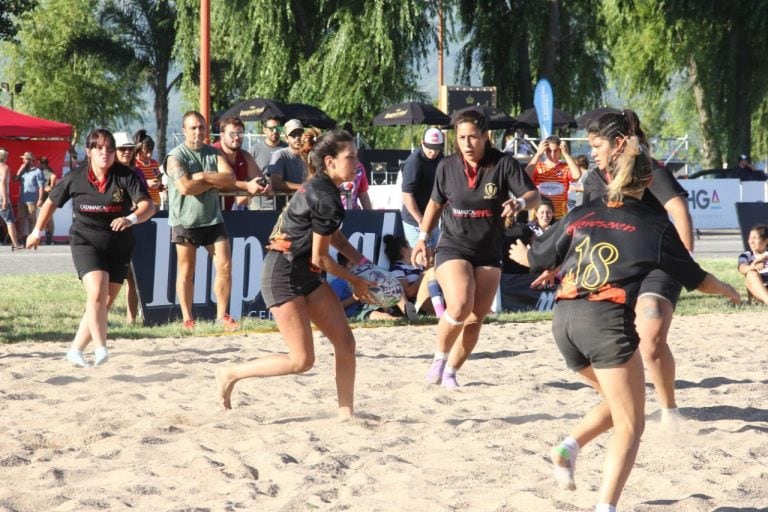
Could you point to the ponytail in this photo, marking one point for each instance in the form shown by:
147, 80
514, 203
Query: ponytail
630, 171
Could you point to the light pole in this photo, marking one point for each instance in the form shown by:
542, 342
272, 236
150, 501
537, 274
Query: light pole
17, 87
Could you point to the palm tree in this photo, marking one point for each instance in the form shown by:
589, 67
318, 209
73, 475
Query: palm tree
140, 34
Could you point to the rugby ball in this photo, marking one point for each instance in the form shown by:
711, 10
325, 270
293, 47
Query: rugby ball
387, 291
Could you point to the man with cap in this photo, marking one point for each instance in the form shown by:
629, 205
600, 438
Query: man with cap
287, 170
6, 209
32, 187
418, 178
745, 172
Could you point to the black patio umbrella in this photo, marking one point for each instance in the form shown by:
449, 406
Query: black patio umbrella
308, 115
497, 118
410, 113
584, 119
559, 118
256, 109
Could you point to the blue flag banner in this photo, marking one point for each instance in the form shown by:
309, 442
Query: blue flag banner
544, 102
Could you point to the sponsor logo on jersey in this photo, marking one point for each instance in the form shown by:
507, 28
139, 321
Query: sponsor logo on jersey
551, 188
472, 214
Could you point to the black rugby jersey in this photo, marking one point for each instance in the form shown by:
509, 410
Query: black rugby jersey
662, 188
93, 211
472, 221
314, 208
606, 251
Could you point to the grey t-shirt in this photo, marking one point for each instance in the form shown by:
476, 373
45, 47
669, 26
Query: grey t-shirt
287, 165
262, 152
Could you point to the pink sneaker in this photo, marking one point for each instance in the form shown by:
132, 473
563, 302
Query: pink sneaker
449, 381
435, 373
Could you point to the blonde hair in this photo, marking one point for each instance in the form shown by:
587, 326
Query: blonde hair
630, 171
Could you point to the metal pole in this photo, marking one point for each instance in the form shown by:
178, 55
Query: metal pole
205, 60
439, 45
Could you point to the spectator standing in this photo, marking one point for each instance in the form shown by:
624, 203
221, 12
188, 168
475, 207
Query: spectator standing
50, 181
287, 170
246, 171
32, 188
745, 172
551, 176
419, 171
753, 264
125, 154
6, 207
103, 193
262, 152
196, 172
576, 188
148, 166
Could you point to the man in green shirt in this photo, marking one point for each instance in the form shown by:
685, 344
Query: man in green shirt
196, 173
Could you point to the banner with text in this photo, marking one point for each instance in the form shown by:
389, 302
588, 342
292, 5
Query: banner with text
154, 261
712, 203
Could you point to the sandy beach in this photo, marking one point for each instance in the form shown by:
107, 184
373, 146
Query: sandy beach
145, 431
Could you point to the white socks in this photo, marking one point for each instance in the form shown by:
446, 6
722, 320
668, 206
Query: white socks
605, 507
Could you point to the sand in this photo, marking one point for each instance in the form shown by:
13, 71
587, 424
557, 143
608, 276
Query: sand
145, 431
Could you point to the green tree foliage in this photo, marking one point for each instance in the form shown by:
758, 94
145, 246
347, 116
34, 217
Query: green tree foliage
9, 12
141, 34
516, 42
63, 83
349, 57
716, 49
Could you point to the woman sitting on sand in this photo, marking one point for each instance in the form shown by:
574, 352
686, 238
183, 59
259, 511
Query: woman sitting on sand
753, 264
605, 249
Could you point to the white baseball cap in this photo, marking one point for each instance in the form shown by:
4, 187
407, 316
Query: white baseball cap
433, 139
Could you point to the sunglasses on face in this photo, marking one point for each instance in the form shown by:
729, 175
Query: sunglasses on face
296, 134
235, 135
273, 128
124, 150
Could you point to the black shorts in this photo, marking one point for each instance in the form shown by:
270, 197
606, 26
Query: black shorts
199, 237
283, 280
661, 284
600, 334
443, 254
7, 214
107, 251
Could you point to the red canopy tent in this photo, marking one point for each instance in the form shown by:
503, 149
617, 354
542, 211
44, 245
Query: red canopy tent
20, 132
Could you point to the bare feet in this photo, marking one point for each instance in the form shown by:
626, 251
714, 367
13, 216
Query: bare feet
345, 414
224, 386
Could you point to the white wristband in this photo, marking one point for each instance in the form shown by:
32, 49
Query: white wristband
423, 236
36, 233
132, 218
521, 202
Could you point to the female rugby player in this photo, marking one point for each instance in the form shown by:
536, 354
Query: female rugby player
472, 191
103, 193
605, 250
291, 281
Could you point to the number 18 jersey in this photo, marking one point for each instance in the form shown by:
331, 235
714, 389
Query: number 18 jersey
605, 251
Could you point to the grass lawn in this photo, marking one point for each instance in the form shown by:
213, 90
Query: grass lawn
49, 307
